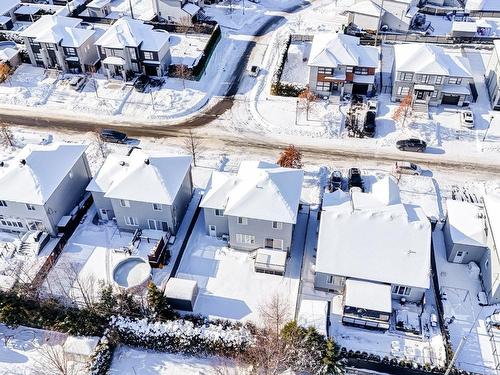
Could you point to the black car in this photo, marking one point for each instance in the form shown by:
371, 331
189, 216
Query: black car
412, 144
141, 83
369, 125
335, 181
355, 179
114, 136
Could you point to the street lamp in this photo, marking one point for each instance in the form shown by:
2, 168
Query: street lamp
488, 128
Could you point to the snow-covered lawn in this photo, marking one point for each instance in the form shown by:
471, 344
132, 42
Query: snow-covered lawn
127, 360
229, 286
141, 9
187, 49
296, 69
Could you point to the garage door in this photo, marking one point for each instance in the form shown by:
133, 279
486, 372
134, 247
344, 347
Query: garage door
359, 89
451, 99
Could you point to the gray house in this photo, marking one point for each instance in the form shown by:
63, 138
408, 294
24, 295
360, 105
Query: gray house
431, 75
61, 43
143, 191
40, 185
493, 76
374, 238
132, 46
178, 11
256, 208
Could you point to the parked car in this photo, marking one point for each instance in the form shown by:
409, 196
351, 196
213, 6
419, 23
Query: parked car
355, 179
372, 105
141, 83
77, 82
369, 125
405, 167
412, 144
467, 119
113, 136
254, 71
335, 181
255, 1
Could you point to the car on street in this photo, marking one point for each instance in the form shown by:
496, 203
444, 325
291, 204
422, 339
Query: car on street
335, 182
369, 125
411, 144
467, 119
254, 71
355, 180
254, 1
406, 167
113, 136
141, 83
76, 83
372, 105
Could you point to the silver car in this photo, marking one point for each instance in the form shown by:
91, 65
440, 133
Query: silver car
405, 167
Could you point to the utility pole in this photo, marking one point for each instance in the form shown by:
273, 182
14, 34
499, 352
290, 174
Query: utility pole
488, 128
379, 22
131, 10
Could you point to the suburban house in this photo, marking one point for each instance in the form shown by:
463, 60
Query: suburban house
493, 76
431, 75
178, 11
33, 197
99, 8
61, 43
143, 191
132, 47
339, 64
7, 16
395, 15
471, 234
372, 249
255, 209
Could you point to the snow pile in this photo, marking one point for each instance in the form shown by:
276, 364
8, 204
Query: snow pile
182, 336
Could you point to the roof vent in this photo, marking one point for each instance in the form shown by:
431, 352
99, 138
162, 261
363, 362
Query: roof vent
2, 164
146, 161
23, 161
122, 163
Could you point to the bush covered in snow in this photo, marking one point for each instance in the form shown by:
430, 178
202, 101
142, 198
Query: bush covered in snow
102, 357
182, 336
277, 87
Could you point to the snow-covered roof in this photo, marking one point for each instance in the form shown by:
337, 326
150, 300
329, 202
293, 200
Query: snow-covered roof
492, 206
36, 171
27, 10
7, 5
141, 177
333, 50
183, 289
271, 257
191, 9
56, 29
81, 345
313, 313
368, 295
484, 5
98, 4
456, 89
374, 237
464, 26
259, 190
429, 59
367, 7
128, 32
7, 53
467, 226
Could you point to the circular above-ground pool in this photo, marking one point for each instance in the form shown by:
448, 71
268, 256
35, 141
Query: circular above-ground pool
132, 273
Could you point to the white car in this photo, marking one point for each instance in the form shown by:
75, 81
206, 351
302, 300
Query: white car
77, 82
405, 167
467, 119
254, 71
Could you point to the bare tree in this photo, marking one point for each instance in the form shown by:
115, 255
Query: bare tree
53, 359
181, 71
404, 109
274, 313
101, 145
307, 97
185, 23
6, 136
193, 145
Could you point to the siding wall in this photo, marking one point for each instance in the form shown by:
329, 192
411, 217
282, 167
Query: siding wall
220, 222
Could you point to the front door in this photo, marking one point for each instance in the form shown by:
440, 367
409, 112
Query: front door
459, 257
212, 230
104, 214
420, 95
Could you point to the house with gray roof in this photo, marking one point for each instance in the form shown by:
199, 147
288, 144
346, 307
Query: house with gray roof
143, 191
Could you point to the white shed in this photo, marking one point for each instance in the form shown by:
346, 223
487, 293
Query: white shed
80, 348
181, 294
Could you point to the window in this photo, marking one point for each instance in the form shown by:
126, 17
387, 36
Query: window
362, 71
157, 225
135, 67
218, 212
34, 225
10, 222
245, 238
3, 204
424, 78
434, 94
70, 51
454, 81
124, 203
401, 290
406, 76
148, 55
403, 91
349, 69
277, 225
329, 280
133, 55
157, 207
439, 80
242, 220
129, 220
30, 207
327, 71
272, 243
323, 86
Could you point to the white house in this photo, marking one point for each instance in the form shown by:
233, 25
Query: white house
378, 241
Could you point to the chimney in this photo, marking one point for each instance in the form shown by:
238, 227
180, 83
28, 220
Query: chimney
2, 163
146, 161
23, 161
122, 163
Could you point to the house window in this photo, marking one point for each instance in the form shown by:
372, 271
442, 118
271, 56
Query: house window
157, 207
245, 238
434, 94
403, 91
30, 207
349, 69
424, 78
157, 225
454, 81
218, 212
135, 67
272, 243
439, 80
242, 220
323, 86
70, 51
124, 203
133, 55
129, 220
401, 290
327, 71
34, 225
148, 55
406, 76
362, 71
329, 279
277, 225
3, 204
